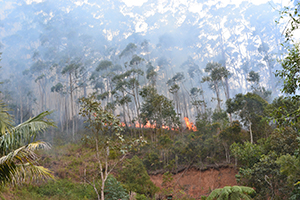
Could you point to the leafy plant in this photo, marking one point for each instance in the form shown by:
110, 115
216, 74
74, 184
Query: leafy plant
231, 193
114, 190
17, 145
136, 179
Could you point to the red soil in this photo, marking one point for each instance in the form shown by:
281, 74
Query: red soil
195, 183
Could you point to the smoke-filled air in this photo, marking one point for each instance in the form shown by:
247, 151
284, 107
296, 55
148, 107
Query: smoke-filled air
152, 99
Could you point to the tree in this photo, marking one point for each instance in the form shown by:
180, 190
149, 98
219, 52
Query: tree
17, 145
249, 107
173, 83
263, 49
199, 103
231, 193
265, 176
72, 70
283, 110
136, 179
128, 84
106, 71
217, 75
151, 74
291, 62
291, 83
106, 139
294, 20
114, 190
157, 109
290, 71
229, 135
253, 77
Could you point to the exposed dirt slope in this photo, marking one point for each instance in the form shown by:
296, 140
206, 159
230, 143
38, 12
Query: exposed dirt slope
195, 182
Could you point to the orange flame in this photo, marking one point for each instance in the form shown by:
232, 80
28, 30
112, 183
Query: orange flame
147, 125
189, 124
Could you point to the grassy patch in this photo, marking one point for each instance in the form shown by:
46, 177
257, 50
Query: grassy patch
62, 189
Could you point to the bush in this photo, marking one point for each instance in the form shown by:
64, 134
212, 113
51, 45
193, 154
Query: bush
114, 190
136, 179
63, 189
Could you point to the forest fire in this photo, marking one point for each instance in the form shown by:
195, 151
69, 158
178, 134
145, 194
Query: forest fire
188, 124
147, 125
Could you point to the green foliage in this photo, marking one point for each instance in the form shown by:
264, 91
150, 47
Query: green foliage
167, 183
290, 166
151, 161
63, 189
114, 190
231, 193
216, 77
291, 84
220, 116
283, 110
247, 153
251, 109
253, 77
151, 74
290, 70
141, 197
157, 109
271, 165
178, 77
284, 140
128, 50
265, 176
106, 138
135, 178
71, 68
247, 106
231, 133
293, 14
217, 71
104, 65
57, 88
99, 121
18, 161
135, 60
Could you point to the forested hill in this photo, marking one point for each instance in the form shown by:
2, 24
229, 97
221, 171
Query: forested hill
170, 86
174, 39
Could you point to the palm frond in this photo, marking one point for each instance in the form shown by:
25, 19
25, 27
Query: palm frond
214, 194
244, 196
231, 192
21, 163
6, 120
34, 125
24, 132
28, 171
38, 145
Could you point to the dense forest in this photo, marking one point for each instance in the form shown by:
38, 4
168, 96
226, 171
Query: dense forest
125, 91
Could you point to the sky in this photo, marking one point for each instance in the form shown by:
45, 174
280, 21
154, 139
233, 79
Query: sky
256, 2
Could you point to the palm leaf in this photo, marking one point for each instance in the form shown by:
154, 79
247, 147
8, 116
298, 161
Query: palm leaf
231, 193
5, 119
19, 164
214, 194
24, 132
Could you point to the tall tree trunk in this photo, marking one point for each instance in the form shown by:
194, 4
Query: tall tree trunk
66, 116
218, 95
72, 107
21, 106
250, 130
